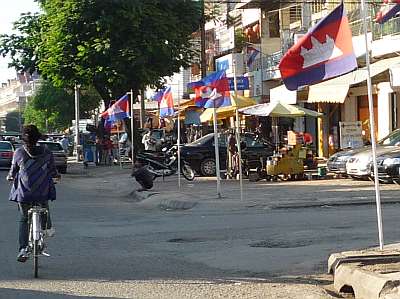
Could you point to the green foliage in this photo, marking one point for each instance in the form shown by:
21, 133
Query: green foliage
240, 40
57, 106
36, 117
111, 45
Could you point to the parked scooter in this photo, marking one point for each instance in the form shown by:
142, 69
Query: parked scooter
166, 163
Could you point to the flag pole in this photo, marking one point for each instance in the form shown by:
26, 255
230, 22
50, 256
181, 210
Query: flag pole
132, 126
238, 131
119, 148
372, 128
179, 138
217, 168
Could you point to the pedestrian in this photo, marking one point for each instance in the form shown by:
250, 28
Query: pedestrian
232, 149
148, 141
64, 143
107, 150
32, 172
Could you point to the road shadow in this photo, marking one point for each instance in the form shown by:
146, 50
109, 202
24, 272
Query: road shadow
7, 293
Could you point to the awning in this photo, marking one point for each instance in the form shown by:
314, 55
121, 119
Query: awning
229, 111
336, 90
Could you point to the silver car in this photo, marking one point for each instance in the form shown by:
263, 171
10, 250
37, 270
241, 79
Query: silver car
359, 164
60, 158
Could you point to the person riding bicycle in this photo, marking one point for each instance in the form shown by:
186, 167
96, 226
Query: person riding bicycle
32, 172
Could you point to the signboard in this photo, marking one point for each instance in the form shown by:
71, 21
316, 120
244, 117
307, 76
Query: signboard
82, 124
242, 83
350, 134
226, 38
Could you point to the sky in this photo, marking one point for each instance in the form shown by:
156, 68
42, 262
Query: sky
9, 13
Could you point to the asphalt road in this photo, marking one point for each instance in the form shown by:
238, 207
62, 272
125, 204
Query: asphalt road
109, 246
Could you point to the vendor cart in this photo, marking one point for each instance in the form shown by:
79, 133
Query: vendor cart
286, 166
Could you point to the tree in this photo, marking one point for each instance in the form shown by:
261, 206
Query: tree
52, 108
112, 45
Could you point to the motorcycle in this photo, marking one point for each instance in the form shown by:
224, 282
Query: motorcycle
165, 164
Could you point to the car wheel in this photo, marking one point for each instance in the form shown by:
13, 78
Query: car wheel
208, 167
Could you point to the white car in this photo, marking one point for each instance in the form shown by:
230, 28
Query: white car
359, 165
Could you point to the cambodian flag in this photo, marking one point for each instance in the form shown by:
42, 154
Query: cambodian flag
389, 9
326, 51
251, 55
166, 103
159, 95
208, 87
117, 111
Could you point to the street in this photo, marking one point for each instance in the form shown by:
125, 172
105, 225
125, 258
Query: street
274, 244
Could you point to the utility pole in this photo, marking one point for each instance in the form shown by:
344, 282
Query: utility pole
142, 109
203, 62
77, 121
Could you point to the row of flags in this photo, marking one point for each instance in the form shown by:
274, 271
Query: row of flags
326, 51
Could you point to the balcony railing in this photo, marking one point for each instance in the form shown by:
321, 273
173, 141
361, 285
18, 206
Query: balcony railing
391, 27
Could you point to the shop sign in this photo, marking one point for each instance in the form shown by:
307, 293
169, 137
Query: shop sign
350, 134
242, 83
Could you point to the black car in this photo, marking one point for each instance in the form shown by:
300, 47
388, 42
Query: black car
388, 167
200, 154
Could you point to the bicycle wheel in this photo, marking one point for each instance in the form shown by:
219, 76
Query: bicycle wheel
187, 172
35, 258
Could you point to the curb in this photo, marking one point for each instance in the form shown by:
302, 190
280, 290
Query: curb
173, 204
370, 273
331, 203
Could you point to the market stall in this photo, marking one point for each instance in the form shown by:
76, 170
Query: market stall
287, 161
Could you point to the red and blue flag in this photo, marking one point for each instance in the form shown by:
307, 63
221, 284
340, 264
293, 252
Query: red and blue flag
117, 111
326, 51
159, 95
166, 103
205, 90
389, 9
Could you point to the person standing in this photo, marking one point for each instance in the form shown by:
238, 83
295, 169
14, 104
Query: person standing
149, 142
232, 149
64, 143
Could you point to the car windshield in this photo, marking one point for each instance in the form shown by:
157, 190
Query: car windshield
391, 139
53, 147
5, 146
202, 140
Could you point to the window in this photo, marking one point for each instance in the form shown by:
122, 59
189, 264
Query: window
52, 146
5, 146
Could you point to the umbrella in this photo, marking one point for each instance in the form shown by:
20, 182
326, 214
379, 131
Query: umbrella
278, 109
227, 111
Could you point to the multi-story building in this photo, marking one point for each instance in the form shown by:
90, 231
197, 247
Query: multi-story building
275, 25
14, 95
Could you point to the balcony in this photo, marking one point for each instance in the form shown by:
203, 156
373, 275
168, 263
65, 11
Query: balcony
391, 27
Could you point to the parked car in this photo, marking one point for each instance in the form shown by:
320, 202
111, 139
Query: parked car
337, 162
60, 158
388, 167
6, 154
200, 154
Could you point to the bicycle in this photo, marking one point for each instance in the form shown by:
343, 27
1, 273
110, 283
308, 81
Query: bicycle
36, 243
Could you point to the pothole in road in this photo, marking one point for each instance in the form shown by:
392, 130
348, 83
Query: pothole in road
185, 240
280, 244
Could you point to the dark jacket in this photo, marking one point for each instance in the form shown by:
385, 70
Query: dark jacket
33, 173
